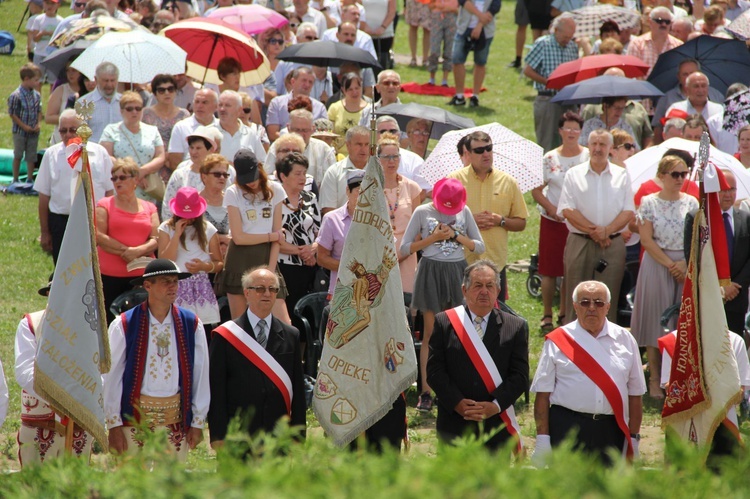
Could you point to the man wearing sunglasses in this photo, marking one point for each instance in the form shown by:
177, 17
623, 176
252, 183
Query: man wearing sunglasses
597, 203
589, 382
256, 366
650, 46
495, 201
53, 182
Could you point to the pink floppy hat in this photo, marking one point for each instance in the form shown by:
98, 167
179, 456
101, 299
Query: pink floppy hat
449, 196
188, 203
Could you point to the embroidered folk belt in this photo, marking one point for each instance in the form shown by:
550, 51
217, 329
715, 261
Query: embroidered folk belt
160, 411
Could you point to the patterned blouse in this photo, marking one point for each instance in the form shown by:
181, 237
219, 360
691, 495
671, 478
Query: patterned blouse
301, 226
668, 218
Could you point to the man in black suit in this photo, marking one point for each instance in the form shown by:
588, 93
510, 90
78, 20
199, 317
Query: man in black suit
735, 294
240, 382
465, 404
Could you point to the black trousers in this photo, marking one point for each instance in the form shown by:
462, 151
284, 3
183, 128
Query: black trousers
299, 282
112, 288
389, 431
594, 436
56, 224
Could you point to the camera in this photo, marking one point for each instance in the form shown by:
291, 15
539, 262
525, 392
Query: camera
601, 265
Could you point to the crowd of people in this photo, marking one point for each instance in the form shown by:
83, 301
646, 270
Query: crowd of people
249, 192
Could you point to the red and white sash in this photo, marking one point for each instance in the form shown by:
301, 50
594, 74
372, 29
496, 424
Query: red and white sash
585, 361
483, 363
259, 357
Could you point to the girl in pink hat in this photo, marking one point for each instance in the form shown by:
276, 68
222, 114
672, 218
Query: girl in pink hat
193, 244
446, 227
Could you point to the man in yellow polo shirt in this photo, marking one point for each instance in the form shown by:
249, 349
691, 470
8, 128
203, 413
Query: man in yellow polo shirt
495, 201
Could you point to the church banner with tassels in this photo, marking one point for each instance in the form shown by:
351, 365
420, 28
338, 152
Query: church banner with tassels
704, 380
73, 346
368, 358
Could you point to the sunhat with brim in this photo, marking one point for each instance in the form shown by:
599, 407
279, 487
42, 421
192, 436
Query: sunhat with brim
449, 196
325, 133
188, 203
160, 267
209, 133
44, 290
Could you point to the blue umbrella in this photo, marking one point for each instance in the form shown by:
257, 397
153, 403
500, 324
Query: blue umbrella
593, 90
723, 61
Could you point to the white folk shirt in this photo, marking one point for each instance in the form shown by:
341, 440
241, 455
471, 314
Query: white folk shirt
740, 353
25, 350
56, 178
599, 197
161, 376
571, 388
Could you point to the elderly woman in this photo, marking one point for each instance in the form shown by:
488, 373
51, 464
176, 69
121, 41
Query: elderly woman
552, 230
347, 112
135, 139
418, 132
623, 147
611, 118
661, 217
126, 229
300, 219
164, 114
215, 177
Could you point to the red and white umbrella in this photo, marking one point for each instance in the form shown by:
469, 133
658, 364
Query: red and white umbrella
252, 19
207, 41
513, 154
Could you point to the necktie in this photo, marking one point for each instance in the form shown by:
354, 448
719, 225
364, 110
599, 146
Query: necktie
730, 236
478, 326
260, 333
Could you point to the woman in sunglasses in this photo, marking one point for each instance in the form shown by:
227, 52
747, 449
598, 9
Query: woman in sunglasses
661, 221
623, 147
552, 229
134, 139
216, 177
125, 230
164, 114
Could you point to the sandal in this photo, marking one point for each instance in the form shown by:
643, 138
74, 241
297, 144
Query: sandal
413, 63
546, 324
560, 319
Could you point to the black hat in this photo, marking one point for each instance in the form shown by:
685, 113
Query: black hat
160, 266
246, 166
44, 291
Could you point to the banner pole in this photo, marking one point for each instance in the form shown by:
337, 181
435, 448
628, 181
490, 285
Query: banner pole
69, 437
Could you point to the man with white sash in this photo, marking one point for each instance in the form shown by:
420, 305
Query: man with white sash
256, 366
42, 434
479, 363
589, 382
159, 374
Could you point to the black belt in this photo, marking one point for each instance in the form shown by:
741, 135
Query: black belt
548, 93
586, 415
611, 236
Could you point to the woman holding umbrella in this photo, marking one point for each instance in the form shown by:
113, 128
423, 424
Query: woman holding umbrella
552, 229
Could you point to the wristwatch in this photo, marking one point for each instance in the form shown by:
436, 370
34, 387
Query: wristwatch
502, 221
636, 436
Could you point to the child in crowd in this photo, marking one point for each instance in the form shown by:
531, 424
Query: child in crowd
25, 110
43, 27
443, 17
35, 10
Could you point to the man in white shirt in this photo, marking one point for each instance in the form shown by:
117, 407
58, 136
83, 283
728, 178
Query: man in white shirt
601, 407
333, 188
106, 100
55, 182
205, 103
696, 98
278, 115
303, 10
350, 14
236, 135
163, 348
389, 87
597, 203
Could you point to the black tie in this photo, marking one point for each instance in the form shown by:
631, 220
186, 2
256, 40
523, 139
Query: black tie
730, 236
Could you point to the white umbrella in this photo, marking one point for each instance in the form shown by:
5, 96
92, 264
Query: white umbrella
642, 166
513, 154
138, 54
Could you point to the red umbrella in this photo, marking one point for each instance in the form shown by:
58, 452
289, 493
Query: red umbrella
207, 41
595, 65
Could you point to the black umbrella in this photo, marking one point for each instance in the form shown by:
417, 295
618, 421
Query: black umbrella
442, 120
594, 90
325, 53
55, 62
723, 61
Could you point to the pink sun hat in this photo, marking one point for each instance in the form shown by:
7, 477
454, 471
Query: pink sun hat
188, 203
449, 196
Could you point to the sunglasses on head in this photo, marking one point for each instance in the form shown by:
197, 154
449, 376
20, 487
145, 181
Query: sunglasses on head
163, 90
586, 303
679, 175
130, 109
481, 150
121, 178
219, 174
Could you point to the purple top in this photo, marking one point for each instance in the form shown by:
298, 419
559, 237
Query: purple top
332, 235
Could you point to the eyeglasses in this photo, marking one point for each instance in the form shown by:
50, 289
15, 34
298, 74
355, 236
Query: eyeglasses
262, 289
276, 41
425, 133
247, 110
219, 174
130, 109
586, 303
121, 178
571, 130
481, 150
72, 129
392, 130
288, 151
663, 22
79, 4
627, 146
300, 130
390, 157
390, 83
293, 25
678, 175
163, 90
309, 38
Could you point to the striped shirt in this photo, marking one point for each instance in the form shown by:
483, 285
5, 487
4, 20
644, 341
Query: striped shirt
26, 103
546, 54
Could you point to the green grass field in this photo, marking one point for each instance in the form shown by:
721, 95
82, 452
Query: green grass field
24, 268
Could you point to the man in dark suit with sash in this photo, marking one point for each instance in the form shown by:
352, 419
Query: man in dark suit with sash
256, 366
479, 362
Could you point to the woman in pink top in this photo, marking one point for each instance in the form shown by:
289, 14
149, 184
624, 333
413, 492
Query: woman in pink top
125, 230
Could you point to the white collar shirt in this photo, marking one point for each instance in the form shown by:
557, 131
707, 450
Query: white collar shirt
105, 112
